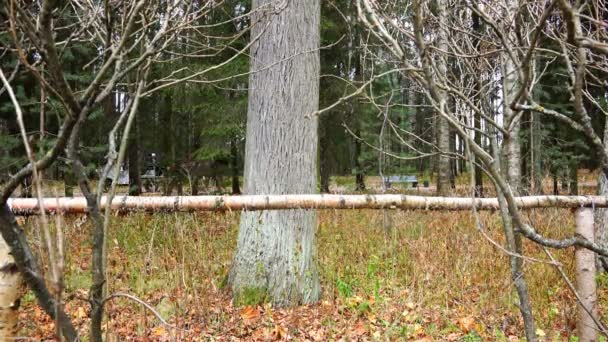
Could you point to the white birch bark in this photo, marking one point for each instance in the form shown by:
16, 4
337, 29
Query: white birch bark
511, 147
585, 279
30, 206
11, 284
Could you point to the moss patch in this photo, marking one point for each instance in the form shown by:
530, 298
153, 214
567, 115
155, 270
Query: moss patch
250, 296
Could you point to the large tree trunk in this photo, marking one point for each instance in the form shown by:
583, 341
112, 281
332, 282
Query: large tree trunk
275, 260
442, 127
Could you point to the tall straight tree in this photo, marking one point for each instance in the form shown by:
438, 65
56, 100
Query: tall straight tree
510, 87
442, 127
275, 260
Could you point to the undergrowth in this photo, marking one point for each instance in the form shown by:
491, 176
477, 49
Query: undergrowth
432, 276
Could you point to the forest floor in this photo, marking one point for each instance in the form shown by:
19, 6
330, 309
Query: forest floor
433, 276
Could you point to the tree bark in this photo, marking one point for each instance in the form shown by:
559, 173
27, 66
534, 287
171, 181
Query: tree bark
442, 128
573, 175
601, 215
275, 253
25, 263
535, 148
476, 21
29, 206
69, 182
512, 147
585, 279
324, 155
234, 167
11, 284
134, 161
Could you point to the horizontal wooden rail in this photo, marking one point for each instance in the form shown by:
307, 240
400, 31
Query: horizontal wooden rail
25, 206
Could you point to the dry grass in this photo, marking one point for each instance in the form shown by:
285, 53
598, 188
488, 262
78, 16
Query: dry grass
433, 276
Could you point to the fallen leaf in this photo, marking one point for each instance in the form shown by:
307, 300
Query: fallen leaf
453, 337
81, 313
359, 329
249, 314
466, 324
278, 333
159, 331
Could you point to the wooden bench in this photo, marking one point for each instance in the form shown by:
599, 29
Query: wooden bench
389, 180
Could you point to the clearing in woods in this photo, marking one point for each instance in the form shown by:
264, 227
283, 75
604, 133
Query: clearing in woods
432, 277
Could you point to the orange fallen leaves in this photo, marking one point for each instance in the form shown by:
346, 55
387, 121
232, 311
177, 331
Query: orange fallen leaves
360, 329
278, 333
250, 314
159, 331
466, 324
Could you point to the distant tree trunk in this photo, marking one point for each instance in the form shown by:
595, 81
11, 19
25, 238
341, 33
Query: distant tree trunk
324, 155
476, 116
421, 129
535, 148
601, 215
275, 256
69, 182
359, 175
134, 158
555, 184
573, 169
442, 127
234, 167
194, 180
168, 143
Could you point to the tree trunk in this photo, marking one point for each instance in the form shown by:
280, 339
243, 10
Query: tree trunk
11, 283
359, 175
275, 257
601, 215
555, 185
535, 148
512, 147
476, 116
234, 166
69, 182
324, 155
573, 173
585, 279
442, 127
134, 164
